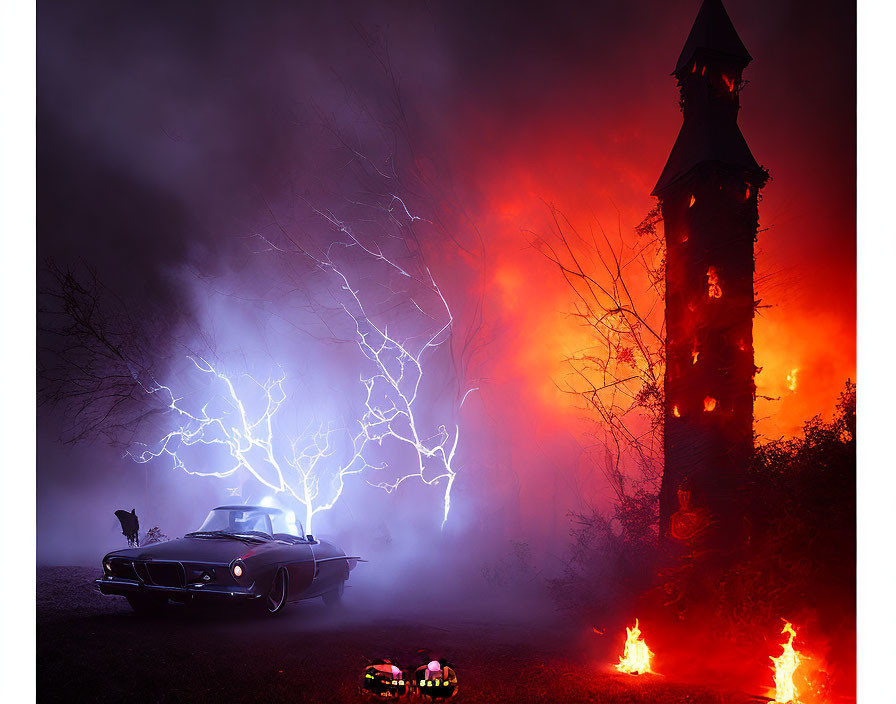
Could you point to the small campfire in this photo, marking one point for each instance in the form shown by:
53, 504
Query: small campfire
635, 658
784, 667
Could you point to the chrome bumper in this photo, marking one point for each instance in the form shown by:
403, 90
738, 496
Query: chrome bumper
122, 587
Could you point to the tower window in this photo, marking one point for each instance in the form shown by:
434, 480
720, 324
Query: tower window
791, 380
712, 278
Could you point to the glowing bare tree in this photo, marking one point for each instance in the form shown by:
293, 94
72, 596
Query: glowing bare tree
395, 362
307, 467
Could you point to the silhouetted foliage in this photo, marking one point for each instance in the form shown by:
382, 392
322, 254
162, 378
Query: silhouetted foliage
154, 535
610, 559
797, 556
799, 539
97, 354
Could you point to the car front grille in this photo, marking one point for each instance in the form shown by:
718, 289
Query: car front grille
123, 569
165, 574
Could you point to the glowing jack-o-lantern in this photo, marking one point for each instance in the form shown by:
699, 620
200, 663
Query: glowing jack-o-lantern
384, 679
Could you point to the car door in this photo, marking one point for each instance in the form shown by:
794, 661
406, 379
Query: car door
300, 565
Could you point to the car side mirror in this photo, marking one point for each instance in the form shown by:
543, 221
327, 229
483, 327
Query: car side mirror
310, 538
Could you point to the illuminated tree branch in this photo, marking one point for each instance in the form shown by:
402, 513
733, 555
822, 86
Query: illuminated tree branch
619, 376
393, 383
251, 440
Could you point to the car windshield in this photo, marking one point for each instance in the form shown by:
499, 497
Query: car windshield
251, 520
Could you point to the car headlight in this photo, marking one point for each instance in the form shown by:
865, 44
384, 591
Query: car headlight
107, 566
237, 570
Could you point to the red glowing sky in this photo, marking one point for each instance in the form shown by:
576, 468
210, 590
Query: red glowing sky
591, 133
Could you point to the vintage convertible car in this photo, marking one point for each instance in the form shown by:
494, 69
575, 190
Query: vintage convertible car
240, 553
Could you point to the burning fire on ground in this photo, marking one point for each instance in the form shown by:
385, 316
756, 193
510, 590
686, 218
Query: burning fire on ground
784, 667
635, 658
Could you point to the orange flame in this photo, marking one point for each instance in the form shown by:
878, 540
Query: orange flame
635, 658
791, 380
785, 665
695, 353
709, 404
693, 200
676, 412
712, 278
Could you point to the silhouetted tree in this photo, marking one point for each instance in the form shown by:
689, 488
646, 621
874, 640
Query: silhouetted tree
97, 354
619, 287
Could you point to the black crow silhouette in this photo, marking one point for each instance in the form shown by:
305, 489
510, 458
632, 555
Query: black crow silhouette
130, 526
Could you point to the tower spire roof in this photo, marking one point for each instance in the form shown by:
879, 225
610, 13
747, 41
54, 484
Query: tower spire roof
713, 32
697, 143
708, 73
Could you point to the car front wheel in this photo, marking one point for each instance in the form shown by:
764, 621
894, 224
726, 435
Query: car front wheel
275, 599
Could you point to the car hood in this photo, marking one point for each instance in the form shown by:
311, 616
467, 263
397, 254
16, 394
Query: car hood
220, 550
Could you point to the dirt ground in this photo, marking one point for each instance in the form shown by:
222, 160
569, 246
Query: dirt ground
93, 648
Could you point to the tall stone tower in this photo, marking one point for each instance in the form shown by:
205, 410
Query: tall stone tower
708, 194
